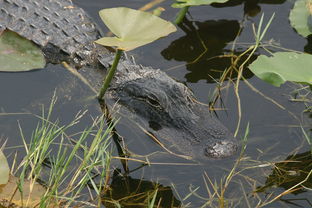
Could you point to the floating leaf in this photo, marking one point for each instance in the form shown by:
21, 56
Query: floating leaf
4, 169
184, 3
32, 194
19, 54
283, 66
300, 17
133, 28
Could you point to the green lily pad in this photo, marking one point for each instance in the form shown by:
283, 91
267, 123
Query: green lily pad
184, 3
4, 169
133, 28
19, 54
300, 17
282, 67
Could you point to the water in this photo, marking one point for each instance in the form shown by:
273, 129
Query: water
274, 133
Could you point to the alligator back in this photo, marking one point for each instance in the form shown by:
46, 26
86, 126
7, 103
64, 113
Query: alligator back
64, 31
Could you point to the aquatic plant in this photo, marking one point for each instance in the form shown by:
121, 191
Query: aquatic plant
282, 67
19, 54
72, 164
185, 4
300, 17
133, 28
289, 66
4, 169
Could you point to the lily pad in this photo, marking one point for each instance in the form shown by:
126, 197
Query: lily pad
32, 194
4, 169
19, 54
300, 17
133, 28
184, 3
282, 67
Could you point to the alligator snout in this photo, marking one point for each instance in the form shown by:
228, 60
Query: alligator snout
220, 149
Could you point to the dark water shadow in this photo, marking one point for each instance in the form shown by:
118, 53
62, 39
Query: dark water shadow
251, 7
130, 192
202, 48
308, 46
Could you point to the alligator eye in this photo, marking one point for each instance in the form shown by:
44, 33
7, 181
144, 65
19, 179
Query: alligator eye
153, 102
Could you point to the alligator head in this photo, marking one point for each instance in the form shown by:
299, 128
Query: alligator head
168, 110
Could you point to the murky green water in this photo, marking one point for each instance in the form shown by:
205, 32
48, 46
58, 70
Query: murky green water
274, 133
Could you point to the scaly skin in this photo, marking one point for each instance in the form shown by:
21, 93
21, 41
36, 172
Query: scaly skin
164, 107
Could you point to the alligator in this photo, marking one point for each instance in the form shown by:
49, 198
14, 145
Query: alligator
164, 107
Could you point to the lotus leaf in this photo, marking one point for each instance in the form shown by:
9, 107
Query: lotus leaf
4, 169
133, 28
32, 193
300, 17
19, 54
283, 66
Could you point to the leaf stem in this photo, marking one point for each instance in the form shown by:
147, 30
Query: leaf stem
181, 15
110, 75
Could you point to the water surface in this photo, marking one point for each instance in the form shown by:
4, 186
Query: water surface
274, 133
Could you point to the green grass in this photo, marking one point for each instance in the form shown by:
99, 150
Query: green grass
73, 162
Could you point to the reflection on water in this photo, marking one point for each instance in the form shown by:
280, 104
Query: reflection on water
130, 192
251, 7
203, 48
213, 35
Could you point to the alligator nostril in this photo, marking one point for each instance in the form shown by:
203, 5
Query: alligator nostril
154, 125
221, 149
